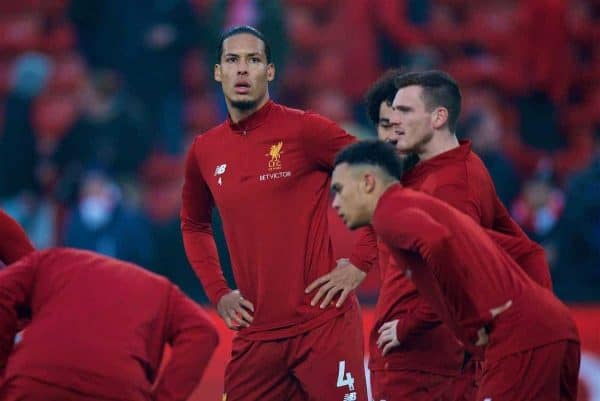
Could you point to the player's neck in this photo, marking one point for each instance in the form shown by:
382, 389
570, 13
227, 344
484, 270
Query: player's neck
236, 115
440, 143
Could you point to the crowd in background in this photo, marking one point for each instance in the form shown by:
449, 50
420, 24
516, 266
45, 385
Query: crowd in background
99, 99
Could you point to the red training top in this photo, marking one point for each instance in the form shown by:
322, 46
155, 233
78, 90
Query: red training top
269, 177
462, 273
459, 178
14, 243
99, 327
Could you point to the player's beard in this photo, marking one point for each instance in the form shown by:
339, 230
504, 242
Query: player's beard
244, 105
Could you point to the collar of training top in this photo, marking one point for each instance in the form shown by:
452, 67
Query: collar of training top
458, 153
252, 121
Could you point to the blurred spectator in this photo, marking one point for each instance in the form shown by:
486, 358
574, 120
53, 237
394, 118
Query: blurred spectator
482, 125
103, 223
110, 135
161, 188
147, 44
578, 241
17, 141
538, 208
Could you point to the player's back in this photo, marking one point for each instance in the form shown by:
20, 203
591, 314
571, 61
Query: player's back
459, 177
475, 275
97, 321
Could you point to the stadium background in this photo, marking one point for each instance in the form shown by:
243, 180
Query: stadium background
100, 98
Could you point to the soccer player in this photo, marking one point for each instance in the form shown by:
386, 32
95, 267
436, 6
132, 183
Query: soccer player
267, 169
98, 330
428, 360
532, 350
14, 242
422, 123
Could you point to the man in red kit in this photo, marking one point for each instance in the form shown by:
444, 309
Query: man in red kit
14, 243
472, 284
267, 169
425, 111
428, 360
98, 331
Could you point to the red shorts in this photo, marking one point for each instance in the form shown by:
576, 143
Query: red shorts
323, 364
546, 373
26, 389
410, 385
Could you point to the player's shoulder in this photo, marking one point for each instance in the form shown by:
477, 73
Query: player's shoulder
305, 116
209, 136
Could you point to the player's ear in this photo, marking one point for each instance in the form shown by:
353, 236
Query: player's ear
217, 72
439, 117
270, 72
368, 182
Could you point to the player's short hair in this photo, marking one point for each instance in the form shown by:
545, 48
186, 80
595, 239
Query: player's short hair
382, 90
374, 153
240, 29
439, 90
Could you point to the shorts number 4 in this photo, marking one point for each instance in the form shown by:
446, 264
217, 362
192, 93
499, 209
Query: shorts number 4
345, 379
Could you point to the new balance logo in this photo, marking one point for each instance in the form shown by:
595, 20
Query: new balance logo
220, 169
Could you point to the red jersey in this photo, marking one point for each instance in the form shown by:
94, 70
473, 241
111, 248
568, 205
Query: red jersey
99, 327
459, 178
14, 243
462, 273
269, 177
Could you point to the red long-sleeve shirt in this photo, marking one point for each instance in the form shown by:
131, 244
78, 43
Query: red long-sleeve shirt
459, 178
462, 273
269, 177
99, 327
14, 243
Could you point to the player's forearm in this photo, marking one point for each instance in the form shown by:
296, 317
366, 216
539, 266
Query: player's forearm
201, 251
191, 353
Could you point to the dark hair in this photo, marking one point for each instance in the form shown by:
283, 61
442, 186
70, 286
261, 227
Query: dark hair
237, 30
374, 153
383, 90
439, 89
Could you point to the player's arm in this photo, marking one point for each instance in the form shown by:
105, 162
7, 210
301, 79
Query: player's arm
15, 244
196, 227
193, 339
420, 319
414, 230
323, 140
16, 284
201, 249
527, 253
457, 195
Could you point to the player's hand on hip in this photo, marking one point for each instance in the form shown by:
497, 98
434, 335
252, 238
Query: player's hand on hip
343, 279
482, 333
235, 310
388, 336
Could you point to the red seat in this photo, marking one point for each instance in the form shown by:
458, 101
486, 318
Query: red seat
5, 70
68, 75
201, 113
19, 6
59, 40
53, 115
19, 33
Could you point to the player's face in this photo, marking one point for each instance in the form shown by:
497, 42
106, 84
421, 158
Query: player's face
348, 199
243, 71
414, 124
388, 123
